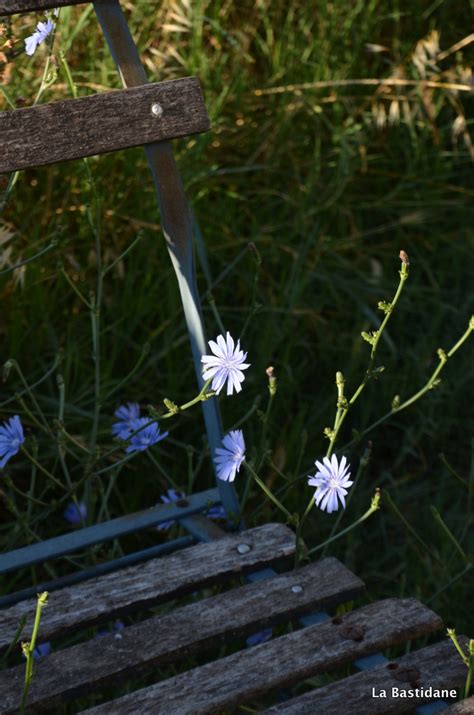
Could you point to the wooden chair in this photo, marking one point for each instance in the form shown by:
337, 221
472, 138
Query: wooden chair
167, 586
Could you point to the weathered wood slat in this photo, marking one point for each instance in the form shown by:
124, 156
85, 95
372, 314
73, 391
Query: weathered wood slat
138, 587
10, 7
232, 681
463, 707
439, 667
101, 123
163, 640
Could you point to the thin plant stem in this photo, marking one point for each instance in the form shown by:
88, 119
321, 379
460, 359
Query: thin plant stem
429, 385
162, 471
12, 363
344, 405
362, 466
25, 495
28, 649
448, 533
39, 466
42, 379
124, 254
49, 248
267, 491
75, 289
375, 505
16, 638
470, 668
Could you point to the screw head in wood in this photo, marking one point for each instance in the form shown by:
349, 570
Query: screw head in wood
297, 589
243, 548
157, 110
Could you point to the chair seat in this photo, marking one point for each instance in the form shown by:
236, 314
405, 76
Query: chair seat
169, 632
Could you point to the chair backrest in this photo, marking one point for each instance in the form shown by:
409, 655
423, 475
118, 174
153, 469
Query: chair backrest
141, 114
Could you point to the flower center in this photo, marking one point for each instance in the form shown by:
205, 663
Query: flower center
15, 442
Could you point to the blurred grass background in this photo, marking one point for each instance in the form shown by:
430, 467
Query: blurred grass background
329, 181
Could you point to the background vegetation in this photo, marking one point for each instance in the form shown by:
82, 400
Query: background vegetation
328, 177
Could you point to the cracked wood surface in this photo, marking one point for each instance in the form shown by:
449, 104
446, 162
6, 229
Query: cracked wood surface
100, 123
80, 669
10, 7
139, 587
248, 674
438, 666
463, 707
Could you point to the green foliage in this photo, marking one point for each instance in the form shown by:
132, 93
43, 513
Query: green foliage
321, 175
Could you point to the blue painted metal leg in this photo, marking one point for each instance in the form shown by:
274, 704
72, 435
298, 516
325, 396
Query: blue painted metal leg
176, 220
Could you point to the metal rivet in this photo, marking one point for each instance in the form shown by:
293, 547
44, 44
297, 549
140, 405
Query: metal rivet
157, 110
297, 589
118, 636
243, 548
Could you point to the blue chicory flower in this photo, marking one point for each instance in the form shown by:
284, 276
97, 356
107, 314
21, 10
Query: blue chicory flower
11, 439
225, 365
43, 29
171, 496
332, 481
146, 437
41, 650
127, 415
214, 512
117, 626
75, 513
228, 458
260, 637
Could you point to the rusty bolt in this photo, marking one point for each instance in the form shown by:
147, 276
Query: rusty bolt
407, 675
352, 632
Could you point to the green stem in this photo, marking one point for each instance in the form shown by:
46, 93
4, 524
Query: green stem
13, 363
49, 248
75, 288
22, 494
162, 471
470, 668
429, 385
28, 649
126, 459
202, 396
267, 491
375, 505
41, 468
122, 255
343, 408
42, 379
16, 638
364, 461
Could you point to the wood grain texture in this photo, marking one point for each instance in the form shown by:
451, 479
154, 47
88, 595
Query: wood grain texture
163, 640
439, 667
101, 123
232, 681
139, 587
463, 707
10, 7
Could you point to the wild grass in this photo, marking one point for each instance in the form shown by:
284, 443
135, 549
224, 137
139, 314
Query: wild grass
326, 176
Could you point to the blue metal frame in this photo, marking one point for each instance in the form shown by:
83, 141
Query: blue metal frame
91, 535
176, 218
